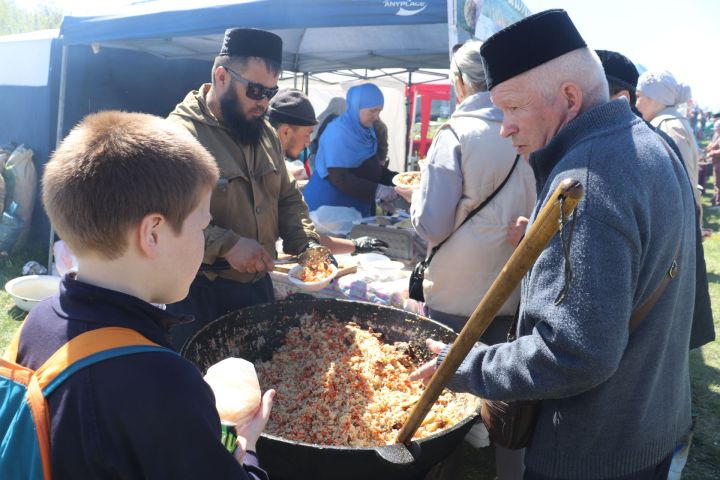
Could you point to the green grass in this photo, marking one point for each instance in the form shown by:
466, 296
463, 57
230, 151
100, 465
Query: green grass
11, 267
704, 460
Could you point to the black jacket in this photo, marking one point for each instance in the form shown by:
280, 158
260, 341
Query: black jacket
147, 415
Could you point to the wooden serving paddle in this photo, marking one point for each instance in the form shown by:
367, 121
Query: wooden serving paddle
566, 196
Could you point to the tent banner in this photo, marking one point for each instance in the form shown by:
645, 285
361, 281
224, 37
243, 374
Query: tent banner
26, 58
482, 18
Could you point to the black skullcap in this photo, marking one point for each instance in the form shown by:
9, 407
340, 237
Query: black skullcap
250, 42
619, 69
292, 107
527, 44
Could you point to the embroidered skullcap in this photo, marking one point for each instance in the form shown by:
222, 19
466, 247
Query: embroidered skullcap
619, 69
251, 42
292, 107
527, 44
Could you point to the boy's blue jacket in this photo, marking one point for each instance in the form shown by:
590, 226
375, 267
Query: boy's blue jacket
147, 415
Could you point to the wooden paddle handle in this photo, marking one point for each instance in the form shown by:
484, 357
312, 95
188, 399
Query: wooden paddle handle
536, 239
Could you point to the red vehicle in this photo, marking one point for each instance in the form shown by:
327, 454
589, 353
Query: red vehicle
429, 108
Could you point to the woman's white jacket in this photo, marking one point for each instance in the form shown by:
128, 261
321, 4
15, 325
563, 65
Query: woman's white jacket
461, 172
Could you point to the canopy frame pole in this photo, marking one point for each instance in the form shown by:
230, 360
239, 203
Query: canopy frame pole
452, 41
410, 107
59, 135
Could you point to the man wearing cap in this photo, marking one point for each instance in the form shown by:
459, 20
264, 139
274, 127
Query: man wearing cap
293, 117
255, 201
613, 403
622, 77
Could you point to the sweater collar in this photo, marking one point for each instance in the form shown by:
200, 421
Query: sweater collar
616, 113
100, 306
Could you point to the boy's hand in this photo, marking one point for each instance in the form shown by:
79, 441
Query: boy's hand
516, 230
248, 256
250, 432
426, 372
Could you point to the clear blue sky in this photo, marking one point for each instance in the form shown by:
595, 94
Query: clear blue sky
682, 36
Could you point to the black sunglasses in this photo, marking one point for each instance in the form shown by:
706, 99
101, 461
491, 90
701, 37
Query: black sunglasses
255, 91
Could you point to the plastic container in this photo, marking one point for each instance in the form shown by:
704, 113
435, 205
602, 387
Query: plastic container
310, 286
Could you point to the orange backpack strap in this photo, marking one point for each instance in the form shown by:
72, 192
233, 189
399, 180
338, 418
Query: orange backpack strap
85, 346
83, 350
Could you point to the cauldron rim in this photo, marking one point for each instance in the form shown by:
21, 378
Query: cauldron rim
470, 418
305, 298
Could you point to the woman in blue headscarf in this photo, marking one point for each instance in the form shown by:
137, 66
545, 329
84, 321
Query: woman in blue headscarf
347, 170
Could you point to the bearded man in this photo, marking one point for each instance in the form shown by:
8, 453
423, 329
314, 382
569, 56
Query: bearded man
255, 201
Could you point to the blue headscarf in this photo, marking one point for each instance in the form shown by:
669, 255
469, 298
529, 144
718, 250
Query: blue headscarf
345, 142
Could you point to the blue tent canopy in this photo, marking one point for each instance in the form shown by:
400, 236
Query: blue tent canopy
318, 35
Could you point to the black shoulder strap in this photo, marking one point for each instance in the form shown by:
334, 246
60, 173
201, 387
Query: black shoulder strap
639, 314
476, 209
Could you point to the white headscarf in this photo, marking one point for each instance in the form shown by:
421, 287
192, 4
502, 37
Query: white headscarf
662, 87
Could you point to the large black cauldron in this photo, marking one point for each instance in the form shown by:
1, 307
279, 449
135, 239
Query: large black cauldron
254, 333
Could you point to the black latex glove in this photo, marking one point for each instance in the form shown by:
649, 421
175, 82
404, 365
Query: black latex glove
311, 244
369, 244
314, 244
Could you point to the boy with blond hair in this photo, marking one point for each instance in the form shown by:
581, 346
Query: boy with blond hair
130, 194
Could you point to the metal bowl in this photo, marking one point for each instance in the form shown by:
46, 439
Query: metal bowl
29, 290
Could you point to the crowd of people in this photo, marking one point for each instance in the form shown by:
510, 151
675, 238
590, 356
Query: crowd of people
207, 193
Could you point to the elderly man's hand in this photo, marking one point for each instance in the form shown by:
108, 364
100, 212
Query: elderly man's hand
248, 256
426, 372
516, 230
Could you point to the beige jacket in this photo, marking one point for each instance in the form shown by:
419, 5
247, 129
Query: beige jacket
467, 264
255, 197
678, 128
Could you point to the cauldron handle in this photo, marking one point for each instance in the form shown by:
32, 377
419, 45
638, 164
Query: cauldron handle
399, 454
570, 192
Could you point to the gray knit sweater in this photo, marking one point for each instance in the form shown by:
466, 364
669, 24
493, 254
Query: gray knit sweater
612, 404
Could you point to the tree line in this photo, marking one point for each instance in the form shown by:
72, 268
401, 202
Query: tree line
15, 18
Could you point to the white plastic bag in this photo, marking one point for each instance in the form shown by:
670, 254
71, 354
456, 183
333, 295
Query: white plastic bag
336, 221
21, 168
237, 390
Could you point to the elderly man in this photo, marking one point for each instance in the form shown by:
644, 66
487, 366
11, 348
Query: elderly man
255, 202
293, 117
613, 403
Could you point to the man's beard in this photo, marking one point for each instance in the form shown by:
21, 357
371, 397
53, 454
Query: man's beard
246, 131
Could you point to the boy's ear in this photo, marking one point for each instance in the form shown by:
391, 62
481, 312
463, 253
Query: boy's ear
148, 232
